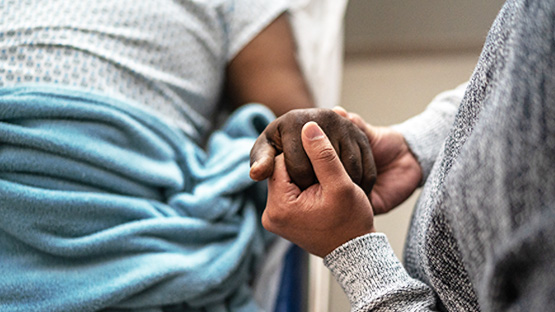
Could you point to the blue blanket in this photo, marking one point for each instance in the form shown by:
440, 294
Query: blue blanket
104, 205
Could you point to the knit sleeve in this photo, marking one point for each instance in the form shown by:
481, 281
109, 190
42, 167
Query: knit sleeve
426, 132
374, 279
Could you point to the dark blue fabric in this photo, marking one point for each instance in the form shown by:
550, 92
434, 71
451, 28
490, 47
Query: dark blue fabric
104, 205
290, 297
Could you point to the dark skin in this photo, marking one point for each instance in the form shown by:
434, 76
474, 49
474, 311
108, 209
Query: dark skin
266, 71
284, 136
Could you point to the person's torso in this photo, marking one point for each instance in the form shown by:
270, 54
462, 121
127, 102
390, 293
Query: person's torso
167, 55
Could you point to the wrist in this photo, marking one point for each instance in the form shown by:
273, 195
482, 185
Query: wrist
413, 159
351, 238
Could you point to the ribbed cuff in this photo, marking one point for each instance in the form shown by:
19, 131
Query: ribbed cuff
365, 267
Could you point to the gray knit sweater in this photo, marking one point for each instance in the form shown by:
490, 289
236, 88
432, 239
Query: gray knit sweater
482, 235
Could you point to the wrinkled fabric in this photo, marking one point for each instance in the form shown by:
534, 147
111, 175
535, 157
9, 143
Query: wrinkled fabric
168, 55
104, 205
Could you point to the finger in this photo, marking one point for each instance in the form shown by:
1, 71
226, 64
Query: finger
322, 155
262, 159
265, 148
280, 176
357, 120
281, 193
297, 163
362, 125
351, 159
340, 111
369, 171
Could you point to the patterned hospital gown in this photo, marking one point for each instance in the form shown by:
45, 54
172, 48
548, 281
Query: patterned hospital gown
168, 56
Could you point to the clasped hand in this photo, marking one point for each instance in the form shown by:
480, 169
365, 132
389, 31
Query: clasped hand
326, 214
283, 135
319, 194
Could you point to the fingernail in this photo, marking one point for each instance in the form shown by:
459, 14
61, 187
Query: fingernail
252, 171
313, 131
258, 163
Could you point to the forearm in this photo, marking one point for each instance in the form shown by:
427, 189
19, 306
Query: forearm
426, 132
266, 71
374, 279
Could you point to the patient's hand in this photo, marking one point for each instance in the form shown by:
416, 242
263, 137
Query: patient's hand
284, 135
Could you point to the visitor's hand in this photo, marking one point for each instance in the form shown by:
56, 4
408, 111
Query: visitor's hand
284, 135
399, 173
326, 214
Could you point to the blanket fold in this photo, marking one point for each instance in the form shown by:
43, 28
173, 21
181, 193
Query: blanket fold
105, 206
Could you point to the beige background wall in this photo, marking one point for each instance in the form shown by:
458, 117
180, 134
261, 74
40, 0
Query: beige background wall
418, 25
399, 55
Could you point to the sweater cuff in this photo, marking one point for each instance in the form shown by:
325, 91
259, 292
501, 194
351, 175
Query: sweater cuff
366, 267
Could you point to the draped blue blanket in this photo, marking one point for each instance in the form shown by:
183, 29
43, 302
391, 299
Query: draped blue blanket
104, 205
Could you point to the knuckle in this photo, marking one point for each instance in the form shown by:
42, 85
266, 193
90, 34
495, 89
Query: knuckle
344, 189
272, 219
326, 154
326, 118
329, 115
353, 163
267, 223
295, 118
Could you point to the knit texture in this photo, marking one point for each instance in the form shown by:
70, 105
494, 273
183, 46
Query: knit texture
482, 234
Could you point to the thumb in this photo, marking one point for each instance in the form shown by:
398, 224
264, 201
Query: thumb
280, 181
327, 165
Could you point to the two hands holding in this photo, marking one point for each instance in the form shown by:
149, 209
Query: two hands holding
333, 172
